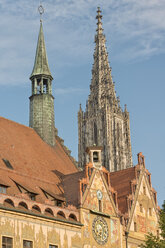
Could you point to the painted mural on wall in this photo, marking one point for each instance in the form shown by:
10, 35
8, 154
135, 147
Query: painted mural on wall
91, 201
114, 232
99, 230
41, 233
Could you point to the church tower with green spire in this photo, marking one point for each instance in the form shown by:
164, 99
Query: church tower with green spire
104, 123
42, 100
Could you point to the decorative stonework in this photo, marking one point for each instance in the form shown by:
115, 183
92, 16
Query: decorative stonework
104, 123
76, 241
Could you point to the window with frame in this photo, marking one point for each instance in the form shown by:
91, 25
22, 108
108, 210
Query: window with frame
141, 208
7, 242
95, 157
32, 196
53, 246
135, 227
144, 190
100, 206
150, 211
27, 244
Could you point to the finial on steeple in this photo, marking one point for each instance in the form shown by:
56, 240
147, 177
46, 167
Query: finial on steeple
99, 23
118, 101
41, 11
80, 107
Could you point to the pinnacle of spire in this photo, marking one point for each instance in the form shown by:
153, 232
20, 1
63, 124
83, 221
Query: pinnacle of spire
101, 82
41, 66
99, 23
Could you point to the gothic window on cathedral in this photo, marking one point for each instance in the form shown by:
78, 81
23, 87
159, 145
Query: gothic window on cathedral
141, 208
27, 244
95, 133
96, 157
7, 242
150, 212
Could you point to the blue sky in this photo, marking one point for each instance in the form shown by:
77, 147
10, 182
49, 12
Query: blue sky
135, 33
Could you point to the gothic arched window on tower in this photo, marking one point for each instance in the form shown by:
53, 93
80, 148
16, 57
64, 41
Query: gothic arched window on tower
95, 133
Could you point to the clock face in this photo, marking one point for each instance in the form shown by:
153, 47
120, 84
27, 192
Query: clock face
100, 230
99, 195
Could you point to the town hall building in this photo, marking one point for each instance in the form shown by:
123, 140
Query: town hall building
46, 199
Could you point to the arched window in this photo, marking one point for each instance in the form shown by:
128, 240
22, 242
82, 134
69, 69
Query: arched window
72, 217
49, 212
22, 205
36, 209
95, 133
8, 203
61, 215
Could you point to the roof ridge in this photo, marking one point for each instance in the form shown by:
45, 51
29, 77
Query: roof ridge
16, 123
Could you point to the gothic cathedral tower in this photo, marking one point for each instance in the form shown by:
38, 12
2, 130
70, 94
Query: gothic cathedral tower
41, 100
104, 123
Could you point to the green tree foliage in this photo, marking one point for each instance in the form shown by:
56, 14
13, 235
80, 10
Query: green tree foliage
153, 241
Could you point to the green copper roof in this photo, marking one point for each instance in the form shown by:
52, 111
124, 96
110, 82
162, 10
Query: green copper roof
41, 66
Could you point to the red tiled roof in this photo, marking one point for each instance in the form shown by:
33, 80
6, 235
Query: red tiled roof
33, 161
71, 186
121, 182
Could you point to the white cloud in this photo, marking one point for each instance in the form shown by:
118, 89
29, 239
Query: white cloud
136, 30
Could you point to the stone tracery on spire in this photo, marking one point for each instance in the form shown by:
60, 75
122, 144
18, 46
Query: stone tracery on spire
99, 22
101, 71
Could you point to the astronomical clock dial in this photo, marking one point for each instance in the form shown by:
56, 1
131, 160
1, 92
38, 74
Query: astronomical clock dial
100, 230
99, 195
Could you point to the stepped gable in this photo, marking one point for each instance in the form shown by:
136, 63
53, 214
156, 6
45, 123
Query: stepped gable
121, 182
33, 161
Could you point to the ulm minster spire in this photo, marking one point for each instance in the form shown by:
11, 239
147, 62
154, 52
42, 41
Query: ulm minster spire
104, 123
42, 100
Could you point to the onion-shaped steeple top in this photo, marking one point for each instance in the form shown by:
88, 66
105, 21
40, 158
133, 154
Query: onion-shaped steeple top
41, 66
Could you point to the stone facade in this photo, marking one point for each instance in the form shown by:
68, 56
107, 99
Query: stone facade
41, 100
104, 123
